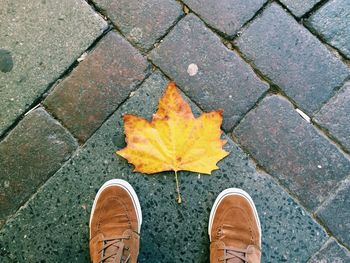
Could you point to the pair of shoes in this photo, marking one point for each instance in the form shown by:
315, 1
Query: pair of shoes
115, 223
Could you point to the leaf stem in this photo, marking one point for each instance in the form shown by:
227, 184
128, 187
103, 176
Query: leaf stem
177, 189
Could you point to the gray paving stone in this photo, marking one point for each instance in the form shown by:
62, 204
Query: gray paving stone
94, 90
227, 16
292, 150
332, 23
42, 38
335, 212
209, 73
54, 225
29, 155
299, 7
335, 116
143, 22
331, 252
292, 58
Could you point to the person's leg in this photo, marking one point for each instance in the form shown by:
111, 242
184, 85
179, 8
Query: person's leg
234, 228
115, 224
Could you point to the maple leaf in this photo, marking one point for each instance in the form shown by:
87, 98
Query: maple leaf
174, 140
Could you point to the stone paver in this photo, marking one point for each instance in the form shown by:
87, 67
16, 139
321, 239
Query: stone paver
97, 86
170, 233
332, 23
42, 38
227, 16
29, 155
299, 7
335, 116
292, 150
294, 59
331, 252
143, 22
209, 73
335, 212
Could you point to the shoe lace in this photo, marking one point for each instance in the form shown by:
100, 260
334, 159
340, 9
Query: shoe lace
231, 253
113, 249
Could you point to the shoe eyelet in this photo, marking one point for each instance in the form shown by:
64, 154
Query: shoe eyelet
219, 232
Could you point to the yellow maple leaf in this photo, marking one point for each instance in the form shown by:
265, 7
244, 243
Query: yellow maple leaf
174, 140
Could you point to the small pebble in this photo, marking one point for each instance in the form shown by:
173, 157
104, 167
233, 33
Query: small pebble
192, 69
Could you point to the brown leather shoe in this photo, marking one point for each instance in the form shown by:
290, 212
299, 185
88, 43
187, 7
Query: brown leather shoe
115, 224
234, 228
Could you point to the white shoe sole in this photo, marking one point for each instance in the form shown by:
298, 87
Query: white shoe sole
227, 192
129, 189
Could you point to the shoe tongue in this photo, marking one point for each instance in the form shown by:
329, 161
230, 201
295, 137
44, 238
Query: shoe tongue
117, 251
236, 260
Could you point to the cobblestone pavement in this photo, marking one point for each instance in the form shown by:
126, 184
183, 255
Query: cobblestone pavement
279, 69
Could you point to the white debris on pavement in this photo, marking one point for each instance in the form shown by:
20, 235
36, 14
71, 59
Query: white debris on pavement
192, 69
302, 114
